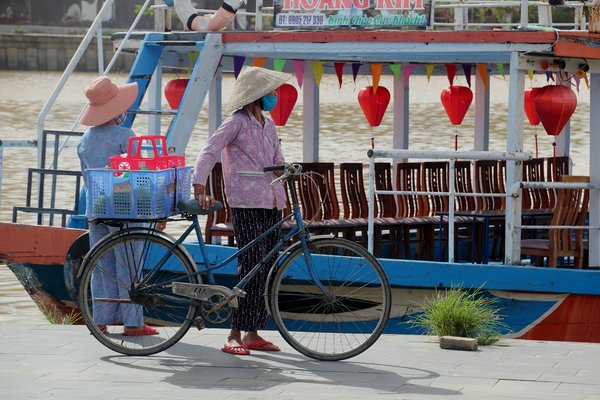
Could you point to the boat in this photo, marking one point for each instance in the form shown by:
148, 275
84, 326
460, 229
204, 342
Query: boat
536, 303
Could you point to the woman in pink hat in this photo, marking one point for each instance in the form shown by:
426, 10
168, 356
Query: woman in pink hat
105, 112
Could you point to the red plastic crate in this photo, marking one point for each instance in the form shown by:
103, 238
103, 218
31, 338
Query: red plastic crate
158, 159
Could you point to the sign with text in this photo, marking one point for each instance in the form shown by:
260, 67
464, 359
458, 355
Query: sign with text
320, 14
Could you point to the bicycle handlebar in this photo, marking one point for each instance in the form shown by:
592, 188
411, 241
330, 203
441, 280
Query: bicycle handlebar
274, 168
289, 171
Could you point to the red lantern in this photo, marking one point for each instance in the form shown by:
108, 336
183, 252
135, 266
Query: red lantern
554, 105
374, 104
286, 99
456, 101
532, 116
174, 91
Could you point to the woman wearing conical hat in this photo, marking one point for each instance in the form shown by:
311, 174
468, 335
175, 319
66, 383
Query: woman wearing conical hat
247, 141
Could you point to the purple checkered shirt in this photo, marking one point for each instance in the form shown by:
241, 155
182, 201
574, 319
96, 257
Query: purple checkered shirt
244, 145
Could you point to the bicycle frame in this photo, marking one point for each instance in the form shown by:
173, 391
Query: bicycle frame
328, 297
298, 229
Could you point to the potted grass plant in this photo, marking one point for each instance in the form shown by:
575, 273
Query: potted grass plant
461, 313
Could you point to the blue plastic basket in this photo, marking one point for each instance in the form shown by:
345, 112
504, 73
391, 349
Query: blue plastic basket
136, 194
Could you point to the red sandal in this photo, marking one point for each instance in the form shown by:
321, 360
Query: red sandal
145, 331
262, 345
238, 350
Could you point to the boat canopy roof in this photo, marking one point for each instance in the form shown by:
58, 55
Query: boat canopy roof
396, 46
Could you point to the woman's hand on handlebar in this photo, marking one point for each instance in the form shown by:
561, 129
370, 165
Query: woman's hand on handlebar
204, 200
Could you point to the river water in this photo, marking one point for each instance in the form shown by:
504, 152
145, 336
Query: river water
345, 134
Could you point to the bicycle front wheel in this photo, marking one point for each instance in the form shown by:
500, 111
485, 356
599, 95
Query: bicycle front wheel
125, 293
337, 307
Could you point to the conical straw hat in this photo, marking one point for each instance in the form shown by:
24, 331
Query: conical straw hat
253, 83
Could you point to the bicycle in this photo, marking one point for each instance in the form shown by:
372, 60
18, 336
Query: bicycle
328, 297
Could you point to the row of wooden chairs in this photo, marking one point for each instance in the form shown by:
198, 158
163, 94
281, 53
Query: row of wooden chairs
401, 220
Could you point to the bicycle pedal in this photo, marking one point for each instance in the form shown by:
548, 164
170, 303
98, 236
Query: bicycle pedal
200, 291
199, 323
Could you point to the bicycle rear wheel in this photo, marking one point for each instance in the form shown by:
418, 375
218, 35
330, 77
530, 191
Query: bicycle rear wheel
343, 323
127, 283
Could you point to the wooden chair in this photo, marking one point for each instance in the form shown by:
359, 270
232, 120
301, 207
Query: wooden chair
502, 180
534, 199
354, 198
354, 201
562, 168
388, 229
319, 203
414, 209
409, 178
386, 203
463, 183
218, 224
570, 210
489, 179
317, 191
435, 178
473, 232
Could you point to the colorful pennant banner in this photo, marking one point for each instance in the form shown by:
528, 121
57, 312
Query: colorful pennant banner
376, 73
259, 62
278, 64
396, 69
317, 67
339, 69
299, 71
451, 73
500, 67
467, 70
429, 70
482, 71
406, 74
355, 68
238, 63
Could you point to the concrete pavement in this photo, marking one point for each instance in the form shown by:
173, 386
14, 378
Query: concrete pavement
43, 361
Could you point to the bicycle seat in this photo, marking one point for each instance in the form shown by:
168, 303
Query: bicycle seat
191, 206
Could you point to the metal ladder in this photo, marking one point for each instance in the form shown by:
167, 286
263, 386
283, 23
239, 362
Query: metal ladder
205, 66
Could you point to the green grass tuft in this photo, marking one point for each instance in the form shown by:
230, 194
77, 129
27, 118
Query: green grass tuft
55, 316
458, 312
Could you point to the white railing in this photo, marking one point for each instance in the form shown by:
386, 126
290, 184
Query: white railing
516, 189
514, 193
94, 30
463, 19
452, 157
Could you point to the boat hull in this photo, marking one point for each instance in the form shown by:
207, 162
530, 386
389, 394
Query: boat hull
535, 303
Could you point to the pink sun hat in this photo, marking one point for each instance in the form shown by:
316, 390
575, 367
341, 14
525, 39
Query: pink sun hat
107, 100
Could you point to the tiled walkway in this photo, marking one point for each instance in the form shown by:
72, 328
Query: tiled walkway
43, 361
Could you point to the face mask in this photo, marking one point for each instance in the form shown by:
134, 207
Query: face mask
119, 119
268, 102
